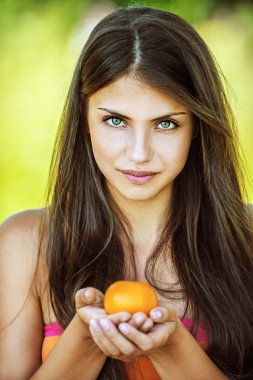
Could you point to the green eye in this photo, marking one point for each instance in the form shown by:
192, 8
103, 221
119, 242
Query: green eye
117, 120
113, 121
167, 124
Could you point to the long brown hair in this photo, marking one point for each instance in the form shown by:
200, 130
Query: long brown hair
209, 224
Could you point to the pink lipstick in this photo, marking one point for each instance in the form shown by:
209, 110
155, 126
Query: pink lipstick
138, 177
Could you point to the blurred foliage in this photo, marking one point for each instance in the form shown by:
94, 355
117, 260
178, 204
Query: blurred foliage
191, 10
40, 42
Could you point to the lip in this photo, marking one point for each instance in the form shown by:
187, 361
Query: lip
138, 173
138, 177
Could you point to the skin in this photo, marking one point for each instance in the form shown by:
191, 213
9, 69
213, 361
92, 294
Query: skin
92, 335
124, 336
139, 143
171, 348
136, 142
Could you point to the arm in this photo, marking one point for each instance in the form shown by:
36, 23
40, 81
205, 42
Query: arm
183, 359
74, 357
21, 323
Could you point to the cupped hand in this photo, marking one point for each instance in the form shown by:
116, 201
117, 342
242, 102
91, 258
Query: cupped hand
89, 306
125, 341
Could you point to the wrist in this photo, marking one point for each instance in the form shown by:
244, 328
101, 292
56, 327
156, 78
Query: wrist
173, 344
79, 338
184, 358
82, 332
81, 327
74, 354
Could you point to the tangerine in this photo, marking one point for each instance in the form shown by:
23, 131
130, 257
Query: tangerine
131, 296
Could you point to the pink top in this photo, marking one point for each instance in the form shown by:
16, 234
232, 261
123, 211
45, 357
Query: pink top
201, 334
53, 329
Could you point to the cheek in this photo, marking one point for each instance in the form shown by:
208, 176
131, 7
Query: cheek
176, 151
101, 151
105, 148
183, 150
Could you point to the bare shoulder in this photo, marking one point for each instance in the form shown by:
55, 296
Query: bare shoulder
22, 223
19, 240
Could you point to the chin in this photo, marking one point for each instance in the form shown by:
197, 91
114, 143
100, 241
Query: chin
138, 195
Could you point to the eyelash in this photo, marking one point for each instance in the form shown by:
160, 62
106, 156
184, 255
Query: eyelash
175, 123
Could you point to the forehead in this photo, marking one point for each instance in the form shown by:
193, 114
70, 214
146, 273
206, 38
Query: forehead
128, 92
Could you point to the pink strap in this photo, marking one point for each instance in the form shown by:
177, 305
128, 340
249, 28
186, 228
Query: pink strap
53, 329
201, 333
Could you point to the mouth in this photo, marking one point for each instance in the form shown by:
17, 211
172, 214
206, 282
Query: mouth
138, 177
138, 173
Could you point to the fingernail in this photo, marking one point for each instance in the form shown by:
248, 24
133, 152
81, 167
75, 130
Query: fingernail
94, 325
124, 318
138, 319
156, 314
124, 328
105, 324
88, 293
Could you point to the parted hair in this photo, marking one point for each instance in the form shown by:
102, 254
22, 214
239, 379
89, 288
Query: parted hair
208, 227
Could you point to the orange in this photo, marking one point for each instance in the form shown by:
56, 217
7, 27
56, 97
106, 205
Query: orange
131, 296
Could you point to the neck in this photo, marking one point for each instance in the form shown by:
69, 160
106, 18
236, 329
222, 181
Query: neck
147, 218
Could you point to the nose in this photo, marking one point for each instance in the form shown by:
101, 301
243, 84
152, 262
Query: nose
139, 147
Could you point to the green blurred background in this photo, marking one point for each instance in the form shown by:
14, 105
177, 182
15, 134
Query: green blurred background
40, 42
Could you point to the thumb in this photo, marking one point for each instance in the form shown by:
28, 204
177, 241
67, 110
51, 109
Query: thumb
88, 296
163, 312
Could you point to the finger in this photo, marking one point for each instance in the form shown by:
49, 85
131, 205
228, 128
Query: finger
163, 313
113, 334
96, 340
123, 316
140, 339
137, 319
87, 313
147, 325
157, 337
85, 297
141, 322
101, 339
88, 296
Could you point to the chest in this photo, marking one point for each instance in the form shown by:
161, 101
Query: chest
165, 278
164, 275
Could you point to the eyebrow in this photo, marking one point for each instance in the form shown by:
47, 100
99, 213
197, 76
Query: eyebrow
155, 119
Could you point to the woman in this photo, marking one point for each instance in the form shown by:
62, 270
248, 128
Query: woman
145, 186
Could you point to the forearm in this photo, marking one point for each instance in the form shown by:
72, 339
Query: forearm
74, 357
184, 359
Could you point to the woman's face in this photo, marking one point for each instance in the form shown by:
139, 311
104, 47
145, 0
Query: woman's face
140, 139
